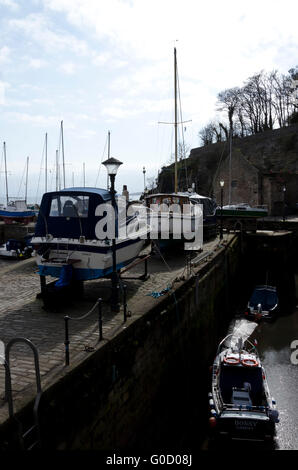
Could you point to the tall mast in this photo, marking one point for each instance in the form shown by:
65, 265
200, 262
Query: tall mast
109, 148
62, 142
26, 185
84, 174
230, 167
57, 171
46, 163
175, 124
4, 151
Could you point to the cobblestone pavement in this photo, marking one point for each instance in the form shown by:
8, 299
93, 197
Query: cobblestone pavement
23, 315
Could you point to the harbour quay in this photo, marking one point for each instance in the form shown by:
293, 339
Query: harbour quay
139, 368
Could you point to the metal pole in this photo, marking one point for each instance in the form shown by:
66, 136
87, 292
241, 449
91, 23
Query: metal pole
230, 166
66, 340
4, 151
221, 214
124, 303
62, 142
99, 319
26, 180
114, 276
144, 173
175, 97
46, 163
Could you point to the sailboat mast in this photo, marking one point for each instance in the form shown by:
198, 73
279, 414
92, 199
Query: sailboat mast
57, 171
26, 186
175, 124
109, 148
62, 143
4, 151
46, 163
230, 167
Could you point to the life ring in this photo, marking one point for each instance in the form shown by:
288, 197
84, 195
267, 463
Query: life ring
231, 360
250, 362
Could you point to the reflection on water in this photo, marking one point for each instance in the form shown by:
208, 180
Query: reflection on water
274, 341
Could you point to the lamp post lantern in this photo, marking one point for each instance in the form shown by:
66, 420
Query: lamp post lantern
222, 183
112, 165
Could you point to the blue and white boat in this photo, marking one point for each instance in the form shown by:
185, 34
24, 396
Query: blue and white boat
17, 211
66, 234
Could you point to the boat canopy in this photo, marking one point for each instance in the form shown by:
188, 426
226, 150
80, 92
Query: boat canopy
70, 213
264, 295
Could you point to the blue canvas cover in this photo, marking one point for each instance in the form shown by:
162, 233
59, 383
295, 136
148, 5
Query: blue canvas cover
265, 296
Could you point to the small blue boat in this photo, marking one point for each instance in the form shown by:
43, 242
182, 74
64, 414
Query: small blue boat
263, 303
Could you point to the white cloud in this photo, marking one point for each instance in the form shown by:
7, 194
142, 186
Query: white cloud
4, 54
10, 4
68, 68
38, 28
37, 63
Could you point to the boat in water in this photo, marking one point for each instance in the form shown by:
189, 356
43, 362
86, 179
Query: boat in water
242, 210
67, 235
240, 403
263, 303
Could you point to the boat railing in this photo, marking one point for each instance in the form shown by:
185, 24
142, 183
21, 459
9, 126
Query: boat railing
253, 347
233, 407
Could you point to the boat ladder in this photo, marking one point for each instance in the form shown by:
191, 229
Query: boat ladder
30, 438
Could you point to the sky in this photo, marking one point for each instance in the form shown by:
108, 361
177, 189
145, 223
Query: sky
107, 65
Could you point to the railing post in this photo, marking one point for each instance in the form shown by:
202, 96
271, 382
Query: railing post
99, 319
124, 302
66, 340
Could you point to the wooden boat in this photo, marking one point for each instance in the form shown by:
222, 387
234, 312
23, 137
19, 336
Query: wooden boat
240, 403
263, 303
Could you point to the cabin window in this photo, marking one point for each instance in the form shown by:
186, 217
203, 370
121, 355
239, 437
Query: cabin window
69, 206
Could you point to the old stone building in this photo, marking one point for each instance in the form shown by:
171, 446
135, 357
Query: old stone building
264, 171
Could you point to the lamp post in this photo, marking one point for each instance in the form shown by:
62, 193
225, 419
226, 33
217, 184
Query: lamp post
112, 165
284, 203
222, 183
144, 173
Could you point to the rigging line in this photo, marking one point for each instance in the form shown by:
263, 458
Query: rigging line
21, 181
40, 168
104, 151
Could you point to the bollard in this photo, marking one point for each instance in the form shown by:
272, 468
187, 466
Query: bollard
99, 320
66, 340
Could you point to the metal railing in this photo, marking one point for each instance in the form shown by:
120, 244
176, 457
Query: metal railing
8, 395
67, 318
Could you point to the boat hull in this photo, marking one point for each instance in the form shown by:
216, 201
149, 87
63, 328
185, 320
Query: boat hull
91, 260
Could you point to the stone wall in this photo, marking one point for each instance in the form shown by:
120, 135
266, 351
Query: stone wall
146, 387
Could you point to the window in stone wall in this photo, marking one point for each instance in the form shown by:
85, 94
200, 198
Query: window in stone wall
234, 183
